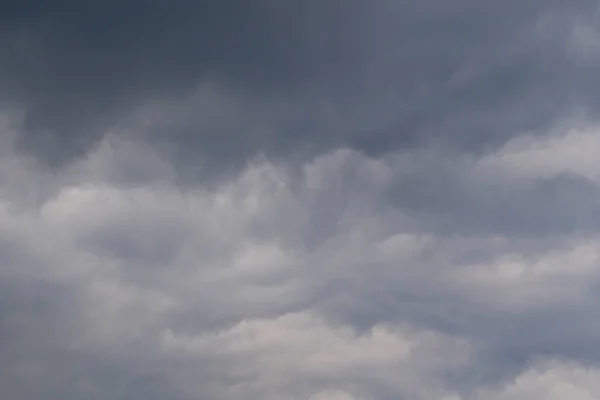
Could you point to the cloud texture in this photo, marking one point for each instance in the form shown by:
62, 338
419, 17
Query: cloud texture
325, 200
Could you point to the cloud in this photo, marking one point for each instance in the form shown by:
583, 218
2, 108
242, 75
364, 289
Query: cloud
571, 153
283, 352
294, 283
76, 67
327, 200
285, 79
555, 380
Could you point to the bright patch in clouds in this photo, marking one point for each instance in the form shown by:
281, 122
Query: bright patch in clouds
575, 152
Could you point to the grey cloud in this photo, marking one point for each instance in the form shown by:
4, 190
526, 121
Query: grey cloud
395, 200
451, 201
263, 274
375, 76
78, 66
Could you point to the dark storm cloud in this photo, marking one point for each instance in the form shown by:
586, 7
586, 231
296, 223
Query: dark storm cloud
371, 75
78, 66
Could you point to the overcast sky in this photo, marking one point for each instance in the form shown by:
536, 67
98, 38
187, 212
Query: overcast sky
300, 199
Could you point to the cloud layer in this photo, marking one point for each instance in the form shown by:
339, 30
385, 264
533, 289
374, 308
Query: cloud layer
299, 200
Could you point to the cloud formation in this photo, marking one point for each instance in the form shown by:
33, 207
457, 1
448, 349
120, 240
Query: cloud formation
335, 200
290, 77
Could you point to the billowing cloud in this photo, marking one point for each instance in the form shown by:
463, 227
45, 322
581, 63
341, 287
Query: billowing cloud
299, 200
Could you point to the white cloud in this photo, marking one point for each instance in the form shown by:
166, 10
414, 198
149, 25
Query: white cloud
572, 152
549, 381
284, 352
274, 285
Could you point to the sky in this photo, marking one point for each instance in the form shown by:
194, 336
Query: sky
317, 199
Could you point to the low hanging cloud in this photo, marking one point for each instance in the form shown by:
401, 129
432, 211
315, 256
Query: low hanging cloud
230, 79
299, 200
